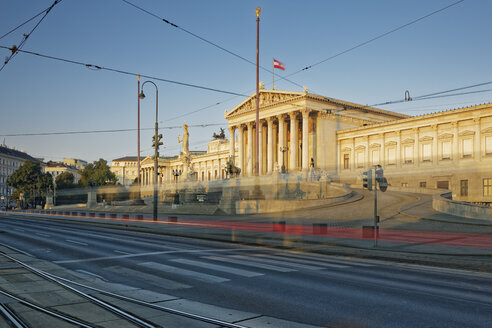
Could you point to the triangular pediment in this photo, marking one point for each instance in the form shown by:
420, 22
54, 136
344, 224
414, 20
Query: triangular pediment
267, 98
147, 160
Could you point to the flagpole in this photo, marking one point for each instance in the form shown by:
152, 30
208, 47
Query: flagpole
273, 74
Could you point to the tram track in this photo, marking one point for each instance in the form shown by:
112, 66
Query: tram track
94, 296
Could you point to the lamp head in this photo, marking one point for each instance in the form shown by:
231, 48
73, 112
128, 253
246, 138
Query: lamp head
141, 95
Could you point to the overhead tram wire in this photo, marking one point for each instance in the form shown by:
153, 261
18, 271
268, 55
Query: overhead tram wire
98, 67
27, 21
205, 40
106, 131
373, 39
15, 49
440, 94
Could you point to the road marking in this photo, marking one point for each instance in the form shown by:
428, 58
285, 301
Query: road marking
121, 252
284, 263
156, 280
216, 267
76, 242
329, 259
42, 234
252, 264
19, 229
105, 258
298, 260
91, 274
192, 274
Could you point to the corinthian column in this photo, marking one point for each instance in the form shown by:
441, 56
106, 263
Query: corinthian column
270, 145
249, 157
293, 141
232, 146
260, 149
281, 140
240, 134
305, 139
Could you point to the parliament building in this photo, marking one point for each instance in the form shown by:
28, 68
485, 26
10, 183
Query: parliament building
302, 132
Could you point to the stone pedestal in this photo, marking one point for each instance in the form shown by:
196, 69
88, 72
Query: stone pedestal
49, 203
230, 194
91, 199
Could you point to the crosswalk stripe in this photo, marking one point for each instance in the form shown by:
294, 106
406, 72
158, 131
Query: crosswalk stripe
298, 260
179, 271
324, 258
284, 263
239, 272
151, 278
252, 264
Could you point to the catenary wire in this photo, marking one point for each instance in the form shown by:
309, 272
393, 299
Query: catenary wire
27, 21
438, 94
109, 69
104, 131
15, 49
205, 40
373, 39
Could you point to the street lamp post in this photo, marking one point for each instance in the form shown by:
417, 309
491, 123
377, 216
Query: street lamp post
157, 137
283, 149
176, 174
257, 163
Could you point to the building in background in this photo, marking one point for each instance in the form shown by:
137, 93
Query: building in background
74, 162
57, 168
125, 169
11, 160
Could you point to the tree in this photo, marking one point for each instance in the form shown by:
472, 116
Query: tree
97, 174
65, 181
30, 181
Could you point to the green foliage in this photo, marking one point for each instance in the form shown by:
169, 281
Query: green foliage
30, 181
65, 181
97, 174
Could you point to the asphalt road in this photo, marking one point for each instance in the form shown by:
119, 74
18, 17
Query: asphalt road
307, 288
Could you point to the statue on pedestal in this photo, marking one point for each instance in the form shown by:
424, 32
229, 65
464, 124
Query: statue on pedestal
185, 140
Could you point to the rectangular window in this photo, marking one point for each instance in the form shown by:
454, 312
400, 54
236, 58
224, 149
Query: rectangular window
391, 156
487, 187
360, 159
488, 145
346, 161
442, 184
446, 150
464, 187
467, 145
426, 153
375, 157
423, 184
408, 154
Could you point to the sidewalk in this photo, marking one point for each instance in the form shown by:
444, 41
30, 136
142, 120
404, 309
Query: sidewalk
423, 210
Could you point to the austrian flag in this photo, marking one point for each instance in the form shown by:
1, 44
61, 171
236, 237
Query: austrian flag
277, 64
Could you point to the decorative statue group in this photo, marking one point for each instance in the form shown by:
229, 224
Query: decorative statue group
231, 169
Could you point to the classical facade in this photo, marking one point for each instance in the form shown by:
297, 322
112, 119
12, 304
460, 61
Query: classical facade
449, 150
301, 132
11, 160
57, 168
296, 130
125, 169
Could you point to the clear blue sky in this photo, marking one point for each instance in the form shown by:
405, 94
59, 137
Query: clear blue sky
448, 50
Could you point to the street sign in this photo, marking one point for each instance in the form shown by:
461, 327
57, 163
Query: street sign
383, 185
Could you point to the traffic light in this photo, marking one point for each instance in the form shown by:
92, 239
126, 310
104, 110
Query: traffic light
367, 180
378, 174
159, 143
